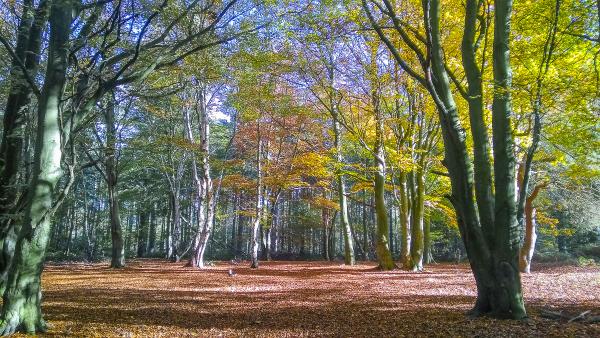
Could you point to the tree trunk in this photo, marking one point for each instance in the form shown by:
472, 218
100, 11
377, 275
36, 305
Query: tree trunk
268, 233
129, 241
255, 236
175, 233
509, 296
391, 232
528, 247
427, 255
152, 231
417, 236
481, 149
71, 217
526, 252
492, 247
302, 251
142, 238
267, 242
204, 188
118, 250
28, 50
235, 224
239, 237
404, 223
384, 255
169, 230
88, 229
22, 298
364, 226
325, 221
349, 258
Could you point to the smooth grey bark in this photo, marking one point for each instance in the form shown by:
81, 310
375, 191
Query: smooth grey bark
174, 233
481, 148
528, 247
382, 244
423, 144
168, 240
384, 255
403, 134
268, 232
234, 223
506, 247
239, 237
71, 215
364, 226
417, 248
22, 297
325, 221
111, 176
204, 187
256, 222
349, 258
494, 263
12, 197
404, 222
26, 54
460, 170
142, 235
427, 253
152, 231
332, 107
270, 209
88, 227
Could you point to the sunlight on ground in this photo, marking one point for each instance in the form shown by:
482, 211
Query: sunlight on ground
156, 298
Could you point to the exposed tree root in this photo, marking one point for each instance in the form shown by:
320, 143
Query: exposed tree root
583, 317
14, 323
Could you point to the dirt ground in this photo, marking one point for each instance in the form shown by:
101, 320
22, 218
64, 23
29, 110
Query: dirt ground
153, 298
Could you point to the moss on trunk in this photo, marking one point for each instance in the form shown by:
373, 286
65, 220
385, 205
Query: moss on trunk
22, 297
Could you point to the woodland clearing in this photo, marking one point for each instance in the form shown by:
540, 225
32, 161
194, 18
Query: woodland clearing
156, 298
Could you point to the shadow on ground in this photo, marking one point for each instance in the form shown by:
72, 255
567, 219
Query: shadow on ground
156, 298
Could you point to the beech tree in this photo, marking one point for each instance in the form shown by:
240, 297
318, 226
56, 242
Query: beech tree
202, 177
25, 63
487, 219
110, 173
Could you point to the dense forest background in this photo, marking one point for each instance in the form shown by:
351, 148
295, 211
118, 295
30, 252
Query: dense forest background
296, 130
139, 155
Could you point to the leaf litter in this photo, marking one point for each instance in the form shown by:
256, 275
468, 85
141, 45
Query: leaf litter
154, 298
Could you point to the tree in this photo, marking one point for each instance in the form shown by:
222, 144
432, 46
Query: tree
384, 255
202, 179
22, 298
110, 173
488, 220
526, 252
25, 63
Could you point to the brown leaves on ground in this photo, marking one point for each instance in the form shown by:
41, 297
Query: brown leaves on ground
159, 299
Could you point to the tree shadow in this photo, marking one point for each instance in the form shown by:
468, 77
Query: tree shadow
284, 298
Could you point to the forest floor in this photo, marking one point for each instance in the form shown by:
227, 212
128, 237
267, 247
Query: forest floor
154, 298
